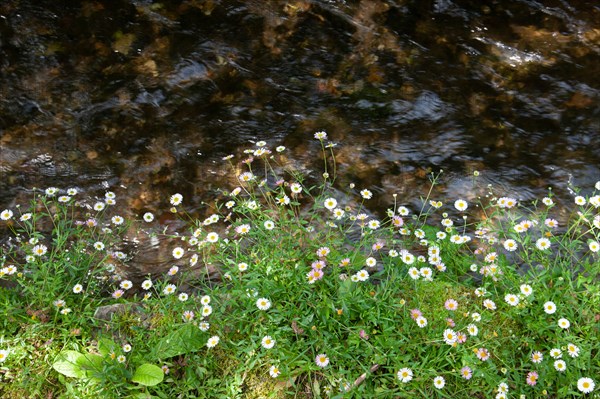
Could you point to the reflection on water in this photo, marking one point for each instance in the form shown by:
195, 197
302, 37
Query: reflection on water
151, 95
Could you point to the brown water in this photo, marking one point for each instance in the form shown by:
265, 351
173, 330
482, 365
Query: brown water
147, 97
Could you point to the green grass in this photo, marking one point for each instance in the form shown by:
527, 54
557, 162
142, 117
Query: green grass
267, 234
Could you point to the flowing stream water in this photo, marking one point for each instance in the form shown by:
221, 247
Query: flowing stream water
146, 97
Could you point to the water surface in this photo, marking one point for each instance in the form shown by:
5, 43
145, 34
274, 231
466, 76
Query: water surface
147, 97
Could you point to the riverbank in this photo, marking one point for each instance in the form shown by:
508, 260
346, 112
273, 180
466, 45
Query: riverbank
309, 295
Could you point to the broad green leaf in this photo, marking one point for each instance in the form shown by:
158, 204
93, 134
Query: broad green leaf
148, 375
188, 338
91, 365
67, 363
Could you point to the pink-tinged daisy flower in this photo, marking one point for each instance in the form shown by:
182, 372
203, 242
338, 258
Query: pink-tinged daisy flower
532, 378
318, 265
451, 304
188, 315
482, 354
314, 276
415, 314
378, 245
466, 373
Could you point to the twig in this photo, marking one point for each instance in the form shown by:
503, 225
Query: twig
363, 376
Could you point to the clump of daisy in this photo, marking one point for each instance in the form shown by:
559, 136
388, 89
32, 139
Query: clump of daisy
451, 304
421, 321
466, 373
212, 341
321, 135
178, 252
564, 323
322, 360
267, 342
537, 357
461, 205
176, 199
330, 203
405, 374
572, 350
585, 384
263, 304
274, 371
482, 354
543, 244
549, 307
366, 194
511, 299
148, 217
532, 378
169, 289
